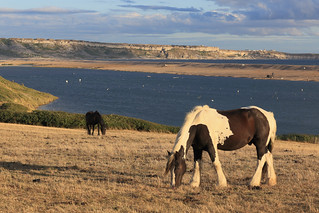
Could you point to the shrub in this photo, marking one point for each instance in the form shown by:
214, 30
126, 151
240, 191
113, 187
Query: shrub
299, 138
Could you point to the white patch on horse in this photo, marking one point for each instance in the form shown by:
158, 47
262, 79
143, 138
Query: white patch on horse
195, 181
271, 121
217, 124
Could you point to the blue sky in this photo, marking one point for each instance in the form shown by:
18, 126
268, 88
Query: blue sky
283, 25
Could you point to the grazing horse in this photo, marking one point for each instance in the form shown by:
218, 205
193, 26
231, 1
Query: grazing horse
93, 118
207, 129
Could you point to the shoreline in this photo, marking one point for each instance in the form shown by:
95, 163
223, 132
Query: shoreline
253, 71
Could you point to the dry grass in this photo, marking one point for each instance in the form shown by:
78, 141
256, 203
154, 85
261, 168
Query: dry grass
62, 170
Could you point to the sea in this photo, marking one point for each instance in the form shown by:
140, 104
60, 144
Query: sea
166, 98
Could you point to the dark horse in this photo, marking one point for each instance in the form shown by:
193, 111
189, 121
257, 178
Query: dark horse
93, 118
207, 129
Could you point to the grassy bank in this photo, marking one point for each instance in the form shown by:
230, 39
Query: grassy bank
11, 92
75, 121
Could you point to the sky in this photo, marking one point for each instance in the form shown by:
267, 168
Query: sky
284, 25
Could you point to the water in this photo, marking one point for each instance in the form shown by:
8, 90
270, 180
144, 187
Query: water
166, 98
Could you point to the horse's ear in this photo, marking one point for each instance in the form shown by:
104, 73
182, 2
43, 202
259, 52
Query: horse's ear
180, 152
169, 153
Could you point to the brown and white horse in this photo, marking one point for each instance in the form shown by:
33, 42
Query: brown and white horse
207, 129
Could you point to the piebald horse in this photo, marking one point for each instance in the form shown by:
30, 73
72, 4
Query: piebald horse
207, 129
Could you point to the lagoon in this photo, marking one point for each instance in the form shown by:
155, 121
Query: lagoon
166, 98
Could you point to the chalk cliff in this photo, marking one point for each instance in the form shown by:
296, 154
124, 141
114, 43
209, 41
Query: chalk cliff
73, 49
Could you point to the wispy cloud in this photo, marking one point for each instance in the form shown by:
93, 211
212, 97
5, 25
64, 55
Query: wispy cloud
44, 11
155, 7
270, 10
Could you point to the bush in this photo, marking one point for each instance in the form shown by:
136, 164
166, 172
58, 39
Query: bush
299, 138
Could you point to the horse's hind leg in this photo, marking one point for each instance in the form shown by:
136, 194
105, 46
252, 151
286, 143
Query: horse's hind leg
272, 180
261, 160
265, 158
255, 181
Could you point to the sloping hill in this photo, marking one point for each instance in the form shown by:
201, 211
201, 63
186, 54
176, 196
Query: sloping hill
11, 92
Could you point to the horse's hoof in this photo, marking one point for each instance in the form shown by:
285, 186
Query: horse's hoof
255, 187
272, 182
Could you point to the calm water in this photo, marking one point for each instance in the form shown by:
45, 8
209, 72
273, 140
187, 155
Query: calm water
166, 98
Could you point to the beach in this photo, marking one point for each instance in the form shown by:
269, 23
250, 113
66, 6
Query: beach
254, 71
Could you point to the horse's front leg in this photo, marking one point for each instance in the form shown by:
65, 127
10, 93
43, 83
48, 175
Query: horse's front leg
212, 151
195, 181
88, 128
98, 129
93, 129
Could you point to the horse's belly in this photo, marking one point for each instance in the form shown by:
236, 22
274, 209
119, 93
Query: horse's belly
231, 144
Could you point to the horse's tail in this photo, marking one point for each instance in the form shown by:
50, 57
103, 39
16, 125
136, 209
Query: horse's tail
272, 132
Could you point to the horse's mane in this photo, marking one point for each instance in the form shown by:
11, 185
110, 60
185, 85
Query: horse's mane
180, 138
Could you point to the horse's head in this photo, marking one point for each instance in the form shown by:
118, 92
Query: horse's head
103, 130
103, 126
177, 165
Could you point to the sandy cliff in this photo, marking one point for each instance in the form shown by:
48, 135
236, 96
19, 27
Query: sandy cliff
49, 48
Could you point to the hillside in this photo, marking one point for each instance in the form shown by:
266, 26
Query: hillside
71, 49
11, 92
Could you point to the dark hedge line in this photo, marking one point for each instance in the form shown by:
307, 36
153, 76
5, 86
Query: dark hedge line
299, 138
73, 120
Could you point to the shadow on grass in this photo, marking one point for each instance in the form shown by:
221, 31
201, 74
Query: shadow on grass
18, 166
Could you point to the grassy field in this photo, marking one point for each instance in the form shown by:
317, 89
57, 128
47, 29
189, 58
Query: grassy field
45, 169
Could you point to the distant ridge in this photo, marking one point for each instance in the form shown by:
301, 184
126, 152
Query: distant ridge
77, 49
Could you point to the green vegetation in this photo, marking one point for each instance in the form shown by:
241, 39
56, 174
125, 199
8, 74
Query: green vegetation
11, 92
299, 138
13, 107
73, 120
